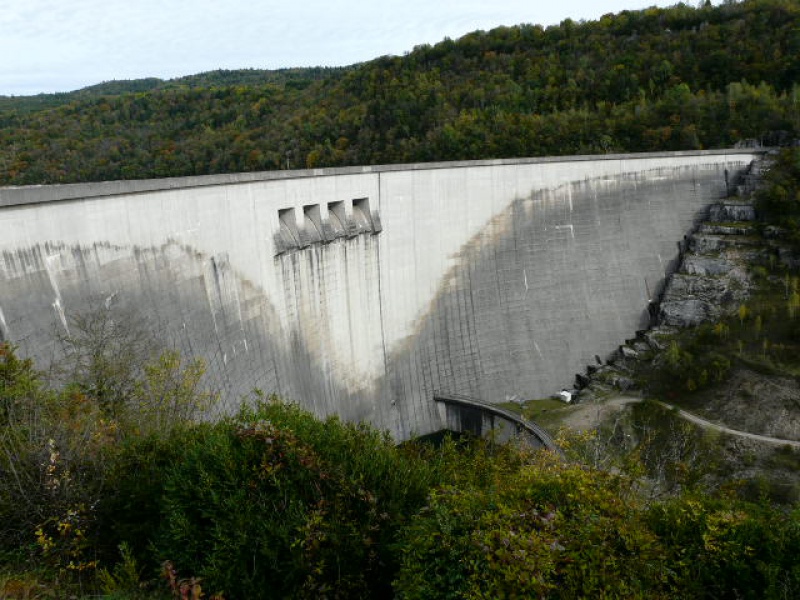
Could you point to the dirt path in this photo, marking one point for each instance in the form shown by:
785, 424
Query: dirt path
692, 418
587, 416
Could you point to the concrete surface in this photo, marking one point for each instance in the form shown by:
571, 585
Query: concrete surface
361, 291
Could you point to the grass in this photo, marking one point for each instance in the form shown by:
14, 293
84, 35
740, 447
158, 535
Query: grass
546, 412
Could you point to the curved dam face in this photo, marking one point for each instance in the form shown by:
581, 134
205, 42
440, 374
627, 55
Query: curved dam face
364, 292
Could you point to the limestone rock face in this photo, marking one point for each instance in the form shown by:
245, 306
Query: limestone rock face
727, 239
713, 279
690, 300
729, 211
689, 312
718, 229
707, 265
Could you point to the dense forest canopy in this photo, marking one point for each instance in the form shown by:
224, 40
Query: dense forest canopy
656, 79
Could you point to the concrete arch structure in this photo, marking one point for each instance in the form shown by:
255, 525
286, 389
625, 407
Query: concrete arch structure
359, 291
466, 415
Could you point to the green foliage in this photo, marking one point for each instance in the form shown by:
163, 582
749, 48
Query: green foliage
275, 503
125, 576
110, 357
18, 380
169, 394
103, 356
59, 453
675, 456
294, 77
130, 510
720, 548
559, 530
549, 530
778, 202
50, 448
691, 362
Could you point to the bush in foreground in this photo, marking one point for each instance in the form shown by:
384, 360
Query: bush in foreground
276, 503
560, 530
552, 530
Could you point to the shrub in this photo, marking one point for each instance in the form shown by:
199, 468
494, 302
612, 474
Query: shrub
69, 495
130, 509
722, 548
276, 503
53, 448
552, 529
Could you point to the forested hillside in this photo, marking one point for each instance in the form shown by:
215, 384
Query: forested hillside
299, 77
657, 79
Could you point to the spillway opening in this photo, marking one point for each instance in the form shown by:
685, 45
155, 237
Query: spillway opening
312, 224
337, 217
288, 223
362, 217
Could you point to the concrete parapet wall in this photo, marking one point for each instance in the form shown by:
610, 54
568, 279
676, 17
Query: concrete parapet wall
359, 291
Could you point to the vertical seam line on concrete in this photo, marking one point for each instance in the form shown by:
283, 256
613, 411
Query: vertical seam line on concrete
477, 345
380, 286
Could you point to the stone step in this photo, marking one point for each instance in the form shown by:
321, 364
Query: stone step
709, 243
728, 211
742, 228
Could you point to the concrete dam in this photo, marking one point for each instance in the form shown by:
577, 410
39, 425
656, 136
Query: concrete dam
365, 291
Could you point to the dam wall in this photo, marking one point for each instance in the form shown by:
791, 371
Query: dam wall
364, 291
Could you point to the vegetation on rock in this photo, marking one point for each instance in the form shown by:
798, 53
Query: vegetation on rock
778, 201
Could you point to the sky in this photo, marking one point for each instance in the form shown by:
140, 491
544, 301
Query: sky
62, 45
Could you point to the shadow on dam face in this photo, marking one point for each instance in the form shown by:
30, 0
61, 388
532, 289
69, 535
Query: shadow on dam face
525, 298
552, 281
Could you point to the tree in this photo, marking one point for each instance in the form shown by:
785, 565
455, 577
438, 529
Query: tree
169, 394
104, 353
